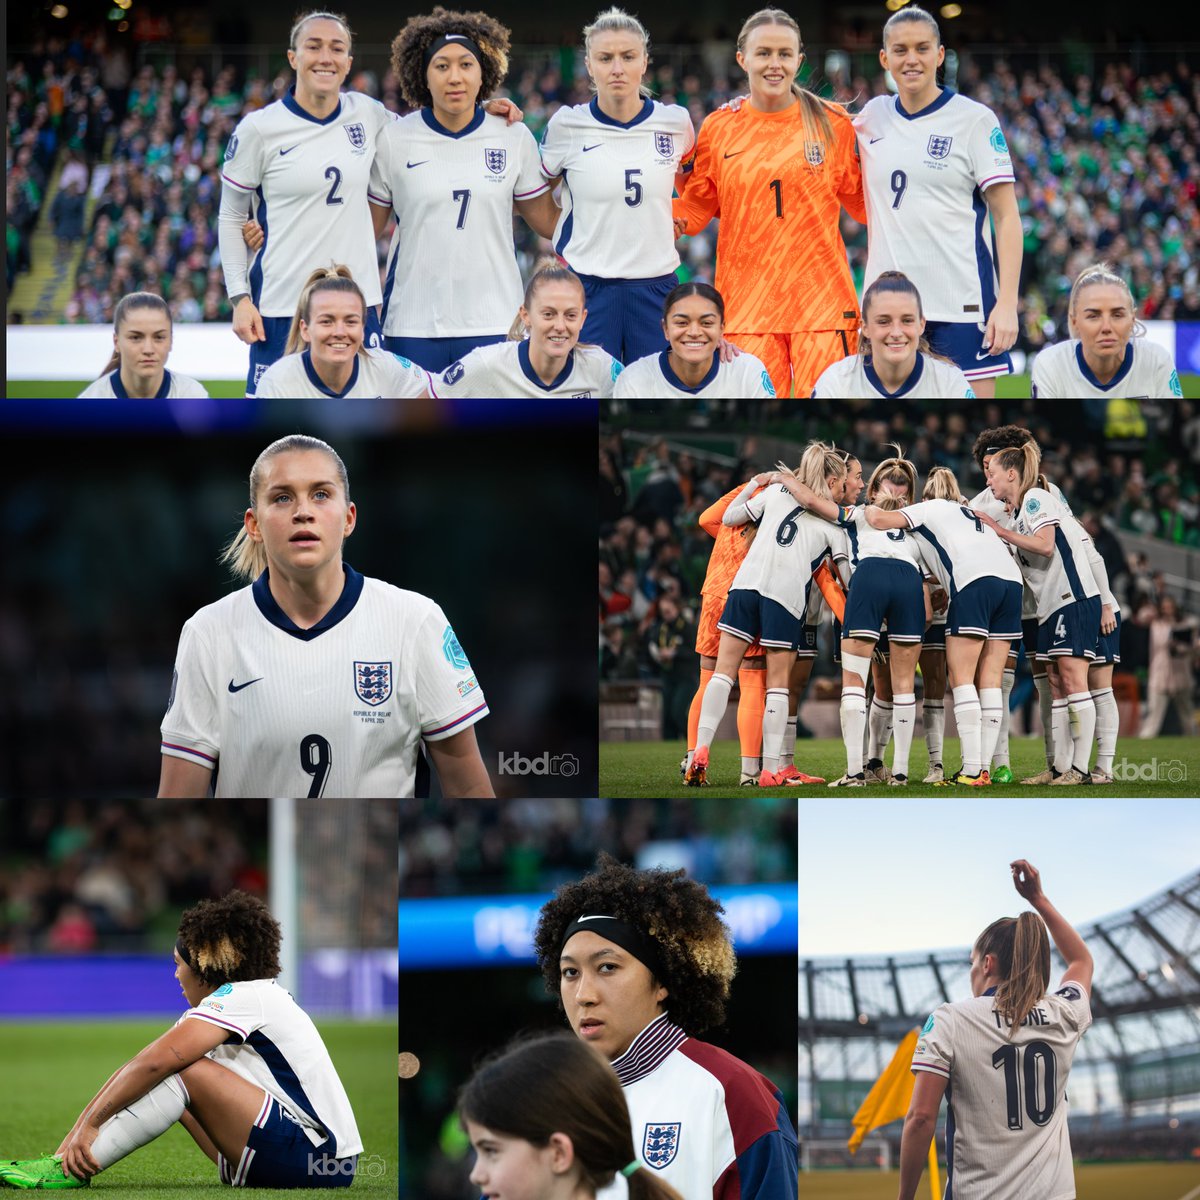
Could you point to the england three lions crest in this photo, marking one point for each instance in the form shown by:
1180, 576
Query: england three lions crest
814, 153
373, 682
495, 160
939, 146
664, 144
660, 1144
357, 135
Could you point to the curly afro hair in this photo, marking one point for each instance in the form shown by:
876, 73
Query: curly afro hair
678, 913
1005, 437
419, 33
231, 939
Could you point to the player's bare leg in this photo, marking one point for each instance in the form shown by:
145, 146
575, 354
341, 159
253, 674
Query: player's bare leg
224, 1105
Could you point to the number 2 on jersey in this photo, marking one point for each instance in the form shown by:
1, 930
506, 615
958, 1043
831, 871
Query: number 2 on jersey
336, 175
315, 759
1009, 1057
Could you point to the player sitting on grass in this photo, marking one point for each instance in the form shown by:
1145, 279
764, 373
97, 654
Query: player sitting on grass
244, 1071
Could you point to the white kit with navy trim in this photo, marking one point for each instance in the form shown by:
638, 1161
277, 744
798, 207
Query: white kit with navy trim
745, 378
955, 547
1066, 575
1147, 372
336, 710
173, 386
503, 369
376, 373
854, 378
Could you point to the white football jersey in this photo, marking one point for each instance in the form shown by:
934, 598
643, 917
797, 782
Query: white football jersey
274, 1044
955, 547
1060, 372
173, 386
866, 542
618, 180
745, 378
375, 373
854, 378
309, 181
336, 710
504, 369
1066, 575
1007, 1133
924, 177
787, 549
987, 503
452, 268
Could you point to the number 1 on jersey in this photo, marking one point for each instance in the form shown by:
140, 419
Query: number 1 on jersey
463, 196
777, 188
315, 759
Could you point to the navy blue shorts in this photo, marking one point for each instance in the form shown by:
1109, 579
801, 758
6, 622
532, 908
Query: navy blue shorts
751, 617
989, 607
1072, 631
264, 354
1108, 645
278, 1154
885, 589
934, 637
624, 316
807, 647
436, 354
962, 341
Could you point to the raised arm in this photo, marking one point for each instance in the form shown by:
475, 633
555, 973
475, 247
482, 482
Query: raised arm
1041, 542
1067, 941
879, 518
805, 496
737, 513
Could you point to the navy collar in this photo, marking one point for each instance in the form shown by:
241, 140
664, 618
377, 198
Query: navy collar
534, 377
906, 387
604, 119
664, 363
319, 383
293, 106
438, 127
1088, 374
990, 992
267, 605
119, 391
943, 99
649, 1050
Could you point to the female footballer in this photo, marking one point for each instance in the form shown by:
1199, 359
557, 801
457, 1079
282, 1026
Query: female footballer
1002, 1060
315, 680
543, 355
935, 165
1054, 562
452, 173
244, 1070
142, 330
641, 963
325, 355
983, 584
693, 322
1109, 354
619, 158
894, 358
548, 1121
779, 169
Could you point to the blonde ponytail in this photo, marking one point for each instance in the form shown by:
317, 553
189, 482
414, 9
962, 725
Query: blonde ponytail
1021, 948
334, 278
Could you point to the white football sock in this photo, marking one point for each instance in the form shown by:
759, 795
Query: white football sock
905, 720
1083, 729
712, 708
879, 721
1046, 708
990, 701
935, 728
854, 721
1108, 722
751, 766
1000, 758
1064, 744
141, 1122
969, 718
788, 757
774, 722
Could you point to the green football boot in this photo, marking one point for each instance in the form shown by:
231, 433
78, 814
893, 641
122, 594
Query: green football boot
1002, 775
45, 1174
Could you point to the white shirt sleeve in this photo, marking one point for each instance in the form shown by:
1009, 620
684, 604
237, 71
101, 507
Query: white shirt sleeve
935, 1051
1075, 1004
232, 1006
991, 161
530, 180
405, 379
379, 187
191, 725
449, 698
1166, 377
555, 143
241, 174
466, 378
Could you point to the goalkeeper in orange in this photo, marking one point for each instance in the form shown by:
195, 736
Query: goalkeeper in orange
777, 172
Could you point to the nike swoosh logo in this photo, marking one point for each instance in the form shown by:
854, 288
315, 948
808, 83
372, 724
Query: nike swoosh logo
238, 687
730, 154
599, 917
282, 151
874, 140
980, 357
587, 148
419, 164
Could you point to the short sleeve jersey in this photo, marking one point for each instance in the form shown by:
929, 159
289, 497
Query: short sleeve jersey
956, 548
173, 386
273, 1043
1007, 1135
1060, 372
854, 378
618, 180
745, 378
308, 177
866, 542
926, 174
339, 709
781, 261
375, 373
452, 267
503, 369
1066, 575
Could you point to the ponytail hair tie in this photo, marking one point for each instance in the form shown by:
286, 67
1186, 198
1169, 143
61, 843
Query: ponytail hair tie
629, 1170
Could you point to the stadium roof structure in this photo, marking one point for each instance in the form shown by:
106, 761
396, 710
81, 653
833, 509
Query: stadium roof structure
1144, 1045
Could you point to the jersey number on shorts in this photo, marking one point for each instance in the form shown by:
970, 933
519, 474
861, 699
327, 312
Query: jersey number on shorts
1009, 1057
785, 535
1060, 627
315, 759
336, 175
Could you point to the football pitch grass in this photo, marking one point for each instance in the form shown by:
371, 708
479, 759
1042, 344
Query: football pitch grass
1093, 1181
635, 769
51, 1069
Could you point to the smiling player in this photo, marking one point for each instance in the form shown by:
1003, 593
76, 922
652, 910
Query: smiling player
316, 680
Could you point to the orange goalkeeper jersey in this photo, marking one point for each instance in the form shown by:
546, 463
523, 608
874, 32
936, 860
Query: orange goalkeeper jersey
781, 261
729, 548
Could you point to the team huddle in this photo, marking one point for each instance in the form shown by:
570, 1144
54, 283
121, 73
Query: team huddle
958, 586
311, 181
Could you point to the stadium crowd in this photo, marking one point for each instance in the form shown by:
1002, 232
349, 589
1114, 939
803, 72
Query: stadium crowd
1106, 165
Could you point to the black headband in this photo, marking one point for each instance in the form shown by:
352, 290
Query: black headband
182, 952
643, 947
453, 39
